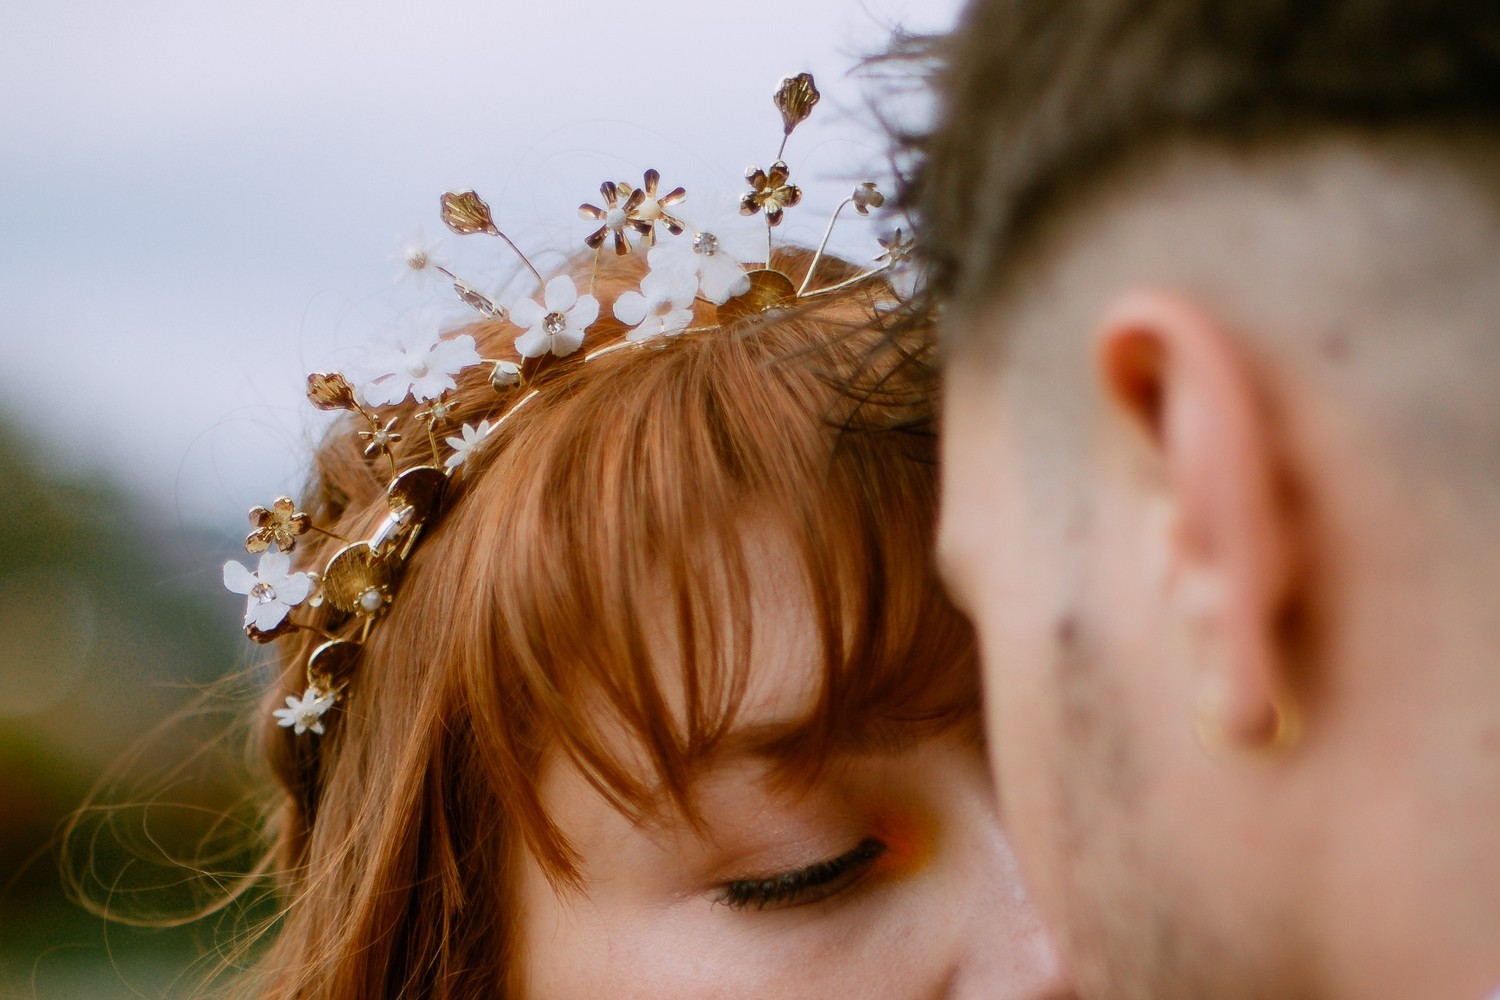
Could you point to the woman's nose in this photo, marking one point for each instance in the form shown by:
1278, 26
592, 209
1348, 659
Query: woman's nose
1003, 966
1004, 953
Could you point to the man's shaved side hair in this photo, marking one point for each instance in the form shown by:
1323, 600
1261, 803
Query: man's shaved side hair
1043, 100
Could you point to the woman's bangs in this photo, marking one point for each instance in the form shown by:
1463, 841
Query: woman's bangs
622, 526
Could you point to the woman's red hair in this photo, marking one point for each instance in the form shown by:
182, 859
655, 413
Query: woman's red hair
618, 496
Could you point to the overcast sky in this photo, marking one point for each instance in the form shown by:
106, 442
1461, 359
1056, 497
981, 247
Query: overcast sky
199, 201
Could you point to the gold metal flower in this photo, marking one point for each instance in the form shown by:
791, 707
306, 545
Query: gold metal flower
380, 438
770, 191
898, 249
616, 216
866, 197
795, 99
653, 209
280, 524
465, 213
439, 413
331, 391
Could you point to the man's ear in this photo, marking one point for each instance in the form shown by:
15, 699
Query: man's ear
1175, 372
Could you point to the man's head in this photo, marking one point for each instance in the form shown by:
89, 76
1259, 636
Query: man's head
1223, 478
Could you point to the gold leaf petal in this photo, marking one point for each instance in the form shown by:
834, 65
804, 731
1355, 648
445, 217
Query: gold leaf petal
331, 665
419, 490
351, 573
481, 304
331, 391
795, 98
465, 212
285, 627
768, 290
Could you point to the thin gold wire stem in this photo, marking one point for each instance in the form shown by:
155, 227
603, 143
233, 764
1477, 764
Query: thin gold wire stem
315, 631
325, 531
524, 259
817, 257
840, 286
511, 412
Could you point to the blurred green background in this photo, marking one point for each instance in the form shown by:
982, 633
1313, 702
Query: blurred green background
119, 654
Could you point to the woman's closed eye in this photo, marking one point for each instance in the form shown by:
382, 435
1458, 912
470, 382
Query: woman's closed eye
815, 882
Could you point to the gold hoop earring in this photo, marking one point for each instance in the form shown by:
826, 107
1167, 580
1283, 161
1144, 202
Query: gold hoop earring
1284, 733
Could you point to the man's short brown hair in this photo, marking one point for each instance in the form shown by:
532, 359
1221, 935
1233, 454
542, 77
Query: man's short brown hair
1040, 98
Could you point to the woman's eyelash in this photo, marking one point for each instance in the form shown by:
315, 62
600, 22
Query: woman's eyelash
804, 885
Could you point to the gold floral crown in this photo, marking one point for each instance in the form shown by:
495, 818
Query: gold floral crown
714, 259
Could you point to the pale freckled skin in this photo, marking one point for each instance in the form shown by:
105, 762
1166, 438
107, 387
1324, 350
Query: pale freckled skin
940, 913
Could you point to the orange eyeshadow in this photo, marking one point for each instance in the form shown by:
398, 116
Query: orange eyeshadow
908, 837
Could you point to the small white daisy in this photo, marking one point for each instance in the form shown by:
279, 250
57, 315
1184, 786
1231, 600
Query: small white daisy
463, 446
419, 258
306, 712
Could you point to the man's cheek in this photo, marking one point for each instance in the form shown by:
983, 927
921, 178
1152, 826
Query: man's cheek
1022, 745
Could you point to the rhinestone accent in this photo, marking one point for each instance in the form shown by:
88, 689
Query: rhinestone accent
554, 324
706, 244
263, 593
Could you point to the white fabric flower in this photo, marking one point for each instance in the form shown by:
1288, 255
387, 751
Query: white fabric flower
463, 446
271, 589
555, 324
420, 364
662, 308
719, 242
306, 712
419, 258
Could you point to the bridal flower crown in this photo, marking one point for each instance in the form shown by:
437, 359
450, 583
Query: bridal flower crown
720, 258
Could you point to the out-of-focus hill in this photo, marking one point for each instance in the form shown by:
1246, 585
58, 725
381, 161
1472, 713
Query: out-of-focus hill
112, 623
